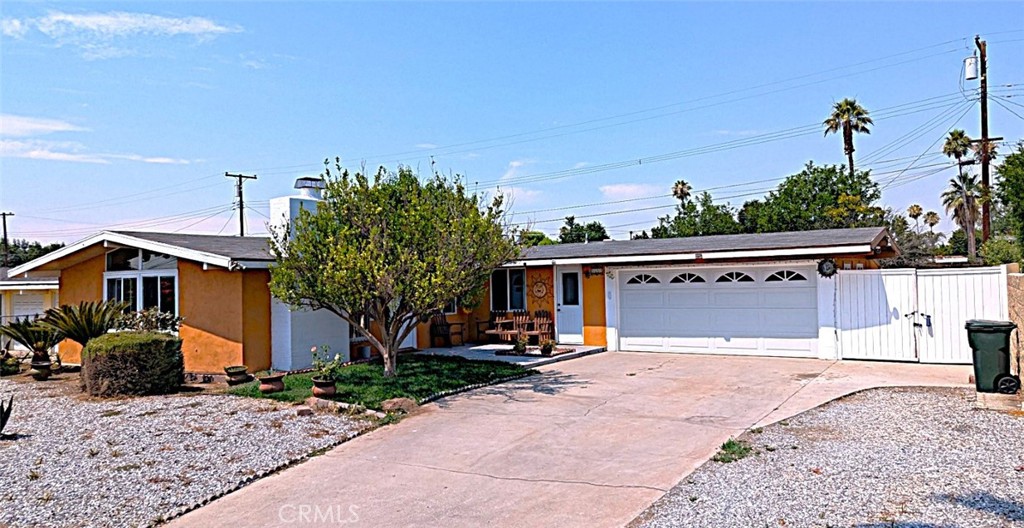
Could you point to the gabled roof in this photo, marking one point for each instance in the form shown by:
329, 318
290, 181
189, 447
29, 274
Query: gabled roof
223, 251
867, 241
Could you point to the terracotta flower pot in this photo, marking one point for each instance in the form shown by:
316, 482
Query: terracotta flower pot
272, 383
40, 370
237, 374
324, 387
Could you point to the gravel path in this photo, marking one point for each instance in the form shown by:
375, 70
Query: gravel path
887, 457
133, 462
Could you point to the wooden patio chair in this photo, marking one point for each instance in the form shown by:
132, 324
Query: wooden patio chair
441, 329
488, 328
543, 326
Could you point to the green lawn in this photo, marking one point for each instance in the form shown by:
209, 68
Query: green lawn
418, 377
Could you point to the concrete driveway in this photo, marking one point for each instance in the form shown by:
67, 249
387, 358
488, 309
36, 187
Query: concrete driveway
590, 442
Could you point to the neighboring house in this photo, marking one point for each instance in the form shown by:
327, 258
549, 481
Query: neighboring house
22, 297
756, 294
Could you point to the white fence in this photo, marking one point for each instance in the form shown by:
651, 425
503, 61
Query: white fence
915, 315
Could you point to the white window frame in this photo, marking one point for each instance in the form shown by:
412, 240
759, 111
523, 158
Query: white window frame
138, 275
508, 290
455, 308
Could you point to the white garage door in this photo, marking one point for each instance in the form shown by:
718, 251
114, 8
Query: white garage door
735, 310
27, 304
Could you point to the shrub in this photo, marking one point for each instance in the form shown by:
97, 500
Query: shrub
33, 336
132, 363
1000, 251
85, 321
148, 320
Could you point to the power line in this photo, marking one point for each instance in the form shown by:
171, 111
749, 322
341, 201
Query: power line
931, 146
1007, 108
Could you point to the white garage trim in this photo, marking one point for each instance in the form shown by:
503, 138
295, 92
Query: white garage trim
777, 317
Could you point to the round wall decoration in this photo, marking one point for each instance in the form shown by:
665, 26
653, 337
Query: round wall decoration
827, 268
539, 288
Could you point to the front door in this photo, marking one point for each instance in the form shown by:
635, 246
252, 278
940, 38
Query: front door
569, 305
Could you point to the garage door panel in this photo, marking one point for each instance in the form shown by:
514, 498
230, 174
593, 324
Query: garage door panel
749, 318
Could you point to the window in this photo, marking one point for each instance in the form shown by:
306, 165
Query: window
686, 278
571, 288
643, 278
785, 276
142, 279
735, 276
508, 290
451, 308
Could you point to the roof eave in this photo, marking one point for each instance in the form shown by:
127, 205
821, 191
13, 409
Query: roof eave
842, 250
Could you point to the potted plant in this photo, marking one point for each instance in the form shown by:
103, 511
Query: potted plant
270, 381
547, 347
237, 374
520, 344
37, 338
326, 370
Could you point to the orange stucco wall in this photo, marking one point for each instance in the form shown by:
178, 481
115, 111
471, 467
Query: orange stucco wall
210, 301
594, 327
82, 282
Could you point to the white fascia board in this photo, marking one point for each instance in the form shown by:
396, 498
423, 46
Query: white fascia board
16, 286
714, 255
253, 264
118, 238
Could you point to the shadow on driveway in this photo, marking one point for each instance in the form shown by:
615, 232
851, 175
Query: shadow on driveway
548, 383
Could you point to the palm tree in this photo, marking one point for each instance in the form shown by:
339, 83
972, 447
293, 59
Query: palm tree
849, 117
962, 199
33, 336
85, 321
915, 212
931, 219
682, 190
956, 146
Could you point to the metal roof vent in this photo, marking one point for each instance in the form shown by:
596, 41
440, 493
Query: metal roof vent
310, 187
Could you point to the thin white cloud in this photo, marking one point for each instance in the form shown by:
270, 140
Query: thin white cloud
513, 169
106, 35
742, 133
626, 191
73, 152
521, 196
425, 146
22, 126
580, 165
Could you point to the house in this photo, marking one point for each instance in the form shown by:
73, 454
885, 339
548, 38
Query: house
22, 297
755, 294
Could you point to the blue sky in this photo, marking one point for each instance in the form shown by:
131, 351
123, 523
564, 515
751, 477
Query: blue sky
127, 114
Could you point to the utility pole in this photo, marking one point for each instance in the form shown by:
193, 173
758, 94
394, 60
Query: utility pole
241, 199
7, 247
986, 212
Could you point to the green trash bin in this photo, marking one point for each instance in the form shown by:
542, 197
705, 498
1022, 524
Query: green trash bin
990, 343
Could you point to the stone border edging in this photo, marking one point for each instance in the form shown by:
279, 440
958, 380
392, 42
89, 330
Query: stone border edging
443, 394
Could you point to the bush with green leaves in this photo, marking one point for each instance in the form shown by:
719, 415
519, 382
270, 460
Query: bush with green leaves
1000, 251
85, 321
34, 336
149, 320
132, 363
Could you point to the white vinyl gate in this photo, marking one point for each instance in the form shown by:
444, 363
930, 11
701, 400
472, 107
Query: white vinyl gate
915, 315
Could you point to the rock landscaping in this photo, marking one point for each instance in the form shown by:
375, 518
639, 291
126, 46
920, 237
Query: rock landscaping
138, 461
907, 457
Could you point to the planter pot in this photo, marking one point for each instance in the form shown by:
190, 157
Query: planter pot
546, 351
40, 370
324, 387
272, 383
237, 374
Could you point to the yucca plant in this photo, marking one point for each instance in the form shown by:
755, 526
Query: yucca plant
85, 321
33, 336
5, 414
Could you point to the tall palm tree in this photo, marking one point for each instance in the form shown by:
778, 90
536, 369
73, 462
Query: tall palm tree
849, 117
682, 190
962, 199
915, 212
956, 146
931, 219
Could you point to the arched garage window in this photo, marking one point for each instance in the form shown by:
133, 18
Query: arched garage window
735, 276
686, 278
785, 276
643, 278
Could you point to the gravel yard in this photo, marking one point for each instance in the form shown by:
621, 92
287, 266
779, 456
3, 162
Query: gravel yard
887, 457
132, 462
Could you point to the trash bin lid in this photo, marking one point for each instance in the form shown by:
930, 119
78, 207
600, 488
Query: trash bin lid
985, 325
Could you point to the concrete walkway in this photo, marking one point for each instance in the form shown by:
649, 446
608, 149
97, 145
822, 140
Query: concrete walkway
590, 442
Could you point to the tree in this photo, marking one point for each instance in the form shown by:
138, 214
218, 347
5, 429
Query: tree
916, 249
932, 219
1000, 251
814, 199
389, 251
573, 233
849, 117
701, 217
23, 251
681, 191
962, 200
535, 238
1010, 190
915, 212
957, 145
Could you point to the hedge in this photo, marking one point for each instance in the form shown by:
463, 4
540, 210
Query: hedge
133, 363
